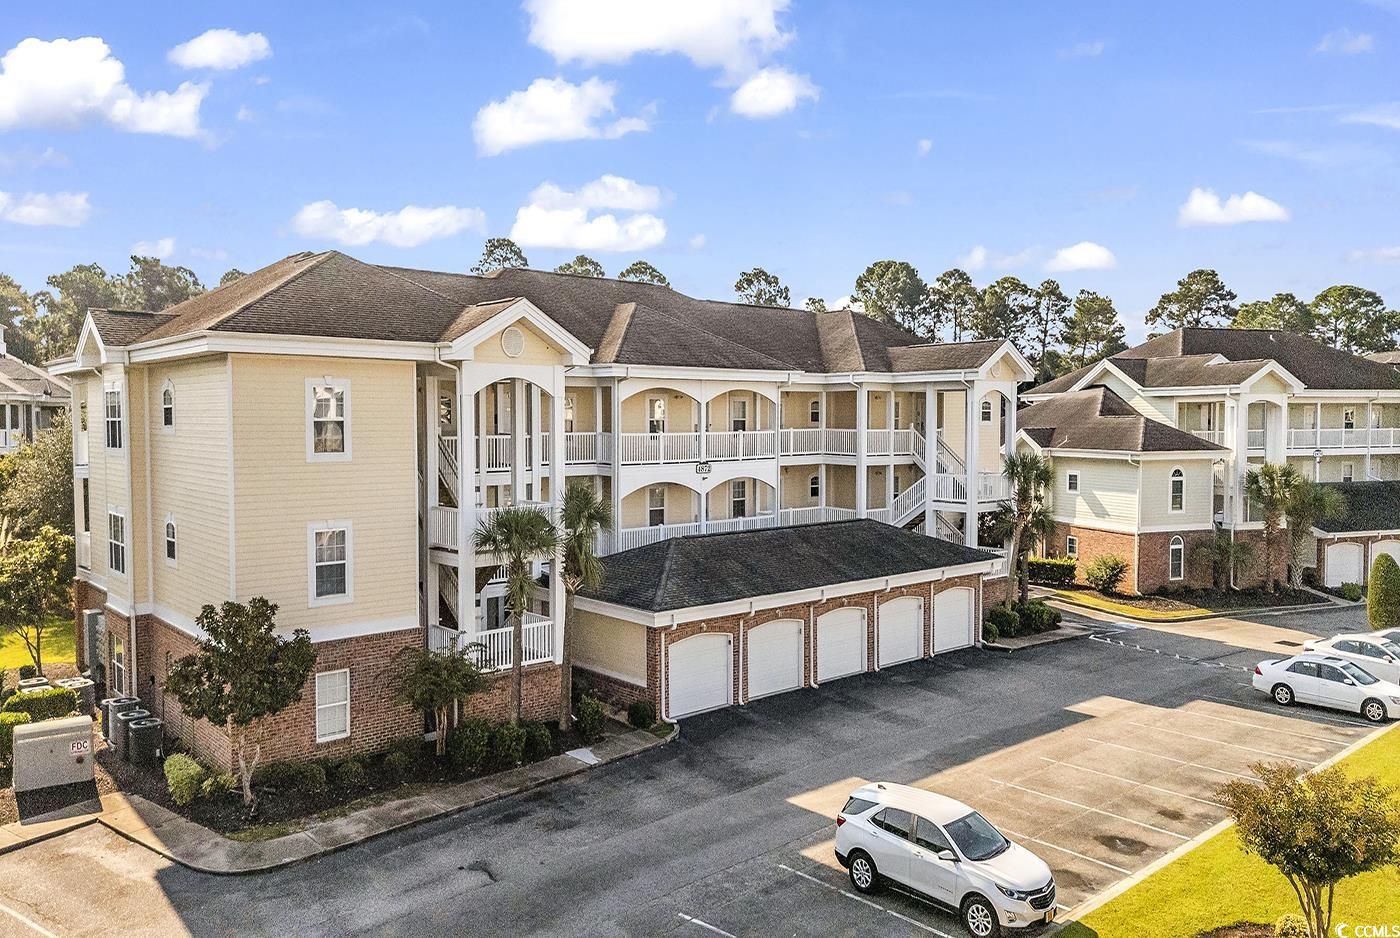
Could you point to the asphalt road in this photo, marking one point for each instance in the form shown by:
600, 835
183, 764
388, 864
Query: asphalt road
705, 835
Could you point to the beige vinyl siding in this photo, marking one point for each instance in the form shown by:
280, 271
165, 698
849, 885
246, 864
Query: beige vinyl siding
585, 412
841, 486
1198, 510
797, 409
1108, 491
721, 412
841, 409
682, 411
537, 351
796, 482
682, 506
189, 480
1158, 408
109, 483
278, 492
989, 434
611, 646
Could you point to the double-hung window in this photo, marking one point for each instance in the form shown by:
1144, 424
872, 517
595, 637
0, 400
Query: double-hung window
116, 542
1178, 490
814, 411
332, 705
327, 419
113, 401
656, 505
1071, 546
656, 415
738, 414
1071, 481
332, 564
814, 486
739, 498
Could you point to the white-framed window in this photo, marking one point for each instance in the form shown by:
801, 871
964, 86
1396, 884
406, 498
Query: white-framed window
332, 705
1348, 472
116, 541
814, 486
112, 400
896, 414
1071, 481
170, 553
570, 408
167, 406
1071, 546
1178, 490
327, 419
1349, 418
814, 411
986, 411
1176, 559
739, 498
656, 415
330, 562
738, 413
656, 505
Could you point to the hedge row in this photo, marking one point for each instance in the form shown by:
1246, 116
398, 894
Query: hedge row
47, 704
8, 722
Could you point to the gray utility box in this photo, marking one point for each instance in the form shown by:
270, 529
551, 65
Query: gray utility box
54, 752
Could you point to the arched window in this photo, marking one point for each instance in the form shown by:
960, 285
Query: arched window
814, 412
1178, 490
986, 411
167, 406
1176, 563
814, 486
170, 539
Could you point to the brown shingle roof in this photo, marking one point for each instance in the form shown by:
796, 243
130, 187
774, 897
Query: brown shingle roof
1098, 419
27, 379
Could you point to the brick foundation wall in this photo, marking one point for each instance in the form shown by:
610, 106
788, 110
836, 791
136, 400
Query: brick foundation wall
1093, 544
540, 688
614, 690
159, 645
85, 596
1154, 561
1252, 573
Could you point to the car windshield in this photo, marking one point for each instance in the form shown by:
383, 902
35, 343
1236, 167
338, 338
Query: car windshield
976, 838
1357, 674
1391, 648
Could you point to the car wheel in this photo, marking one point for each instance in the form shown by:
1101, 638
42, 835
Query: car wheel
863, 874
979, 918
1373, 710
1283, 695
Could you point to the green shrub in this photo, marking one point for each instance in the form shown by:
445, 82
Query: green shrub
507, 746
1036, 617
280, 775
469, 745
641, 714
311, 778
412, 748
8, 722
1052, 571
46, 704
1106, 572
26, 671
218, 785
350, 775
1005, 621
591, 717
1291, 925
989, 632
1383, 596
184, 777
539, 744
1352, 592
396, 767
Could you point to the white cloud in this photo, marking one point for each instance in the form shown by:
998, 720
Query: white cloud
1389, 255
555, 218
161, 248
1204, 207
1084, 50
925, 147
66, 83
1086, 255
845, 302
734, 35
697, 242
974, 259
1345, 42
245, 113
551, 109
60, 209
409, 227
221, 49
1379, 115
770, 92
210, 254
981, 258
28, 158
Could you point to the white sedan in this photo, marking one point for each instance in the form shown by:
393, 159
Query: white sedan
1328, 681
1371, 650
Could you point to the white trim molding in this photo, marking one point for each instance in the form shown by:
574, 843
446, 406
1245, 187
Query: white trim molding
336, 385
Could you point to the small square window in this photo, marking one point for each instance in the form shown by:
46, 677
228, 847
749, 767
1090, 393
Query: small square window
1072, 481
332, 705
1071, 546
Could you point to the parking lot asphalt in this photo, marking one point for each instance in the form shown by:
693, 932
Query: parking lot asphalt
1099, 754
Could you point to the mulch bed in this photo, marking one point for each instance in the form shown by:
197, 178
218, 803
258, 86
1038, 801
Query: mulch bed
1210, 600
1240, 930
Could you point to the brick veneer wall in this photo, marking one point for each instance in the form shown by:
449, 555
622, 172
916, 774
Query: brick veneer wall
1093, 544
1252, 573
540, 689
1154, 561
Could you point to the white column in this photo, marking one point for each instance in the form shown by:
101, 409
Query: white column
598, 422
821, 490
517, 440
615, 406
557, 482
930, 457
889, 429
973, 416
1317, 424
1010, 404
702, 425
1366, 461
466, 505
537, 418
862, 460
777, 435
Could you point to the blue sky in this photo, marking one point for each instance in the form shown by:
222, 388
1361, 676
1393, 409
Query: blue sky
810, 138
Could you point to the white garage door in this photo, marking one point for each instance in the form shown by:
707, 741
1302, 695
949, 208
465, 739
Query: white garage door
775, 651
901, 628
701, 674
1343, 564
840, 643
1384, 547
953, 614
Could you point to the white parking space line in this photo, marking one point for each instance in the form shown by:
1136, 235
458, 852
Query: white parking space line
38, 929
1330, 740
1158, 755
1074, 853
1087, 807
705, 925
1258, 709
874, 905
1133, 781
1221, 742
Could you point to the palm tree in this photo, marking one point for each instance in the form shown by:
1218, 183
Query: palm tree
1025, 517
1270, 487
517, 536
586, 516
1224, 555
1308, 503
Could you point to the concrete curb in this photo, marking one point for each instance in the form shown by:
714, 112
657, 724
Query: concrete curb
1065, 633
1224, 613
196, 847
1117, 889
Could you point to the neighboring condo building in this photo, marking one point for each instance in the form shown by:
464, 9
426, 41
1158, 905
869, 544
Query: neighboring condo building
30, 399
1261, 395
330, 434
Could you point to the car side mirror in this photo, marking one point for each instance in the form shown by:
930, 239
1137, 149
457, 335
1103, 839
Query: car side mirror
948, 855
1348, 681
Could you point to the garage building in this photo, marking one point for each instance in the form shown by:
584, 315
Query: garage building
1348, 544
702, 622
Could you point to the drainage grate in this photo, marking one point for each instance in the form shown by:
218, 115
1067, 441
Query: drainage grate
1287, 644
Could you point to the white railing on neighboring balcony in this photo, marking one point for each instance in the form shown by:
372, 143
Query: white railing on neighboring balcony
499, 453
747, 523
494, 652
739, 444
888, 442
628, 538
815, 514
1210, 436
1307, 438
1255, 439
992, 486
816, 441
948, 487
587, 448
643, 448
442, 527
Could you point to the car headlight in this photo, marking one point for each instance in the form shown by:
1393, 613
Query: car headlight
1016, 894
1395, 700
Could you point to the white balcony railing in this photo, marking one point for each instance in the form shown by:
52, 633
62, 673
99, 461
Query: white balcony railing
442, 527
644, 448
587, 448
739, 444
1211, 436
1309, 438
498, 452
992, 486
814, 514
1255, 439
948, 487
748, 523
494, 653
628, 538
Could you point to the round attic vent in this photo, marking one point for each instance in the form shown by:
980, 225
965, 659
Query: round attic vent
512, 341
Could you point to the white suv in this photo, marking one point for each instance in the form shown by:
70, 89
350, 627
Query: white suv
943, 851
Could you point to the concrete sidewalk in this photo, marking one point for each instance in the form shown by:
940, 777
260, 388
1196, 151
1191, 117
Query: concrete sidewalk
197, 847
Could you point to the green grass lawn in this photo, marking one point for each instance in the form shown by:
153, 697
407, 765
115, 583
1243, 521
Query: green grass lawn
1219, 884
58, 646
